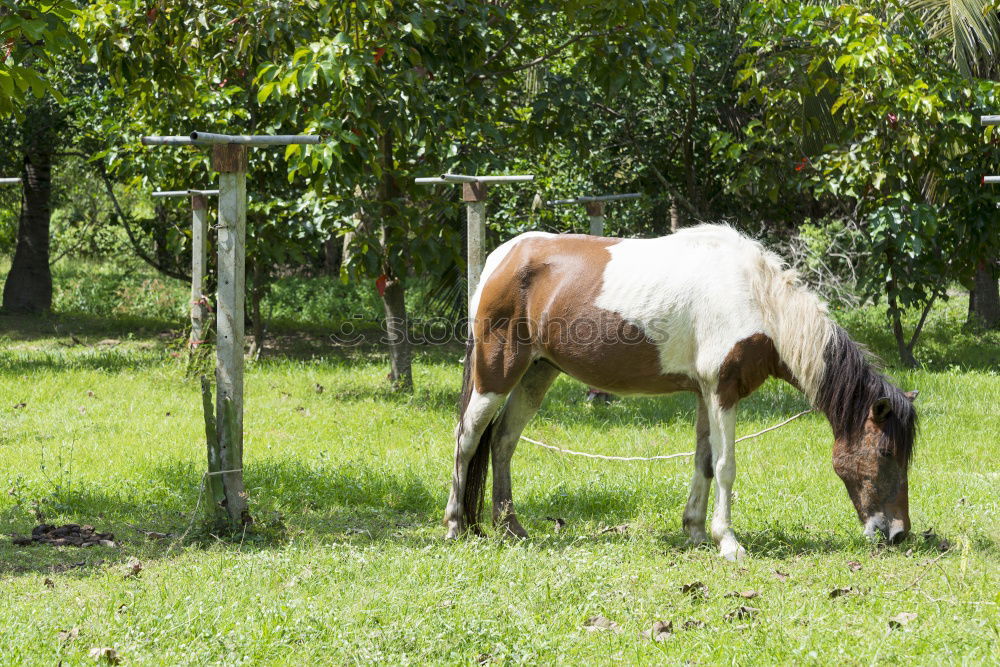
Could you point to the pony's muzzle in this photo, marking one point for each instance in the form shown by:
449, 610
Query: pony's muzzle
894, 531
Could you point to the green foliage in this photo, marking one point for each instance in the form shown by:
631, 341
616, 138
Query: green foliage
111, 290
866, 112
407, 89
30, 35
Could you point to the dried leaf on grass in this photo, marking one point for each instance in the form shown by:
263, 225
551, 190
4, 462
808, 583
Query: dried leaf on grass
746, 595
600, 624
695, 589
68, 635
105, 654
618, 530
781, 576
842, 592
742, 613
693, 624
853, 565
660, 632
133, 568
559, 521
69, 535
901, 619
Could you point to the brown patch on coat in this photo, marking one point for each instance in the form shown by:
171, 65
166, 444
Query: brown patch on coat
539, 303
747, 366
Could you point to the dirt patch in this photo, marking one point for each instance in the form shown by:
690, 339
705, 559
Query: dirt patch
71, 535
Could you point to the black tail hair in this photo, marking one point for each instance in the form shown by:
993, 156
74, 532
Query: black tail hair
479, 465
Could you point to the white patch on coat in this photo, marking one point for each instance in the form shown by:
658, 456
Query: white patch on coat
493, 261
698, 292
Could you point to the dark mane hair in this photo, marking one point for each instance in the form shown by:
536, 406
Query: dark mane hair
851, 384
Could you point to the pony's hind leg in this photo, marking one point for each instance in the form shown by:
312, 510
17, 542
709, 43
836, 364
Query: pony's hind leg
697, 502
522, 405
480, 411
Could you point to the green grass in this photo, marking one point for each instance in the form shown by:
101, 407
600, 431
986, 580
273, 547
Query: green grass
347, 563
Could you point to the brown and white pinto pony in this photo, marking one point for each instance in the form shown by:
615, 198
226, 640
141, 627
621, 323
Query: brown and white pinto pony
705, 310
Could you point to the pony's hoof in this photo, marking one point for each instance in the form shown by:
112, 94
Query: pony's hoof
734, 553
512, 529
455, 530
694, 541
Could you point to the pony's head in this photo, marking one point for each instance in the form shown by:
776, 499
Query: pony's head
874, 426
873, 463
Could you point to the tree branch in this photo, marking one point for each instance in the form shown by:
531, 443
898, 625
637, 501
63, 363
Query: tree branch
540, 59
131, 236
920, 324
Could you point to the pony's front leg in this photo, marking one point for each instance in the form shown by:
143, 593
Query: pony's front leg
697, 503
722, 432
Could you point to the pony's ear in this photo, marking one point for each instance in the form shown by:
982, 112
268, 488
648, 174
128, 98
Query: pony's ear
912, 395
881, 409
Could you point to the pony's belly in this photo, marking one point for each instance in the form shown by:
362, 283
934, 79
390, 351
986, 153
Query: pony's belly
611, 354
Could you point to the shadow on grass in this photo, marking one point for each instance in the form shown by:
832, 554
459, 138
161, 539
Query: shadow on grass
33, 327
352, 503
107, 360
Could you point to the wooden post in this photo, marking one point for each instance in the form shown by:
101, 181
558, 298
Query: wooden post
474, 196
199, 261
231, 162
595, 211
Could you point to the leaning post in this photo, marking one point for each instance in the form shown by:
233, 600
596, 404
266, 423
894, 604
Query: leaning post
595, 212
199, 261
474, 190
225, 451
199, 258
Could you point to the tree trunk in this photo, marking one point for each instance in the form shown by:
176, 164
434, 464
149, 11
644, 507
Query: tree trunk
393, 294
257, 288
332, 249
400, 355
675, 216
905, 351
689, 125
984, 298
28, 288
161, 248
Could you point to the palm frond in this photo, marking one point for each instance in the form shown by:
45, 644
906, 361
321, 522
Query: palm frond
972, 27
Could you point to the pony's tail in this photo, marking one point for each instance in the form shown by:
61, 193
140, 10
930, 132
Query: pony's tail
479, 465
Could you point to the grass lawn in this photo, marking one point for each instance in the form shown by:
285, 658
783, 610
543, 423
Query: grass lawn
347, 563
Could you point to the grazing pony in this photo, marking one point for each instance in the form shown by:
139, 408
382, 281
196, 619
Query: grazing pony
705, 310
